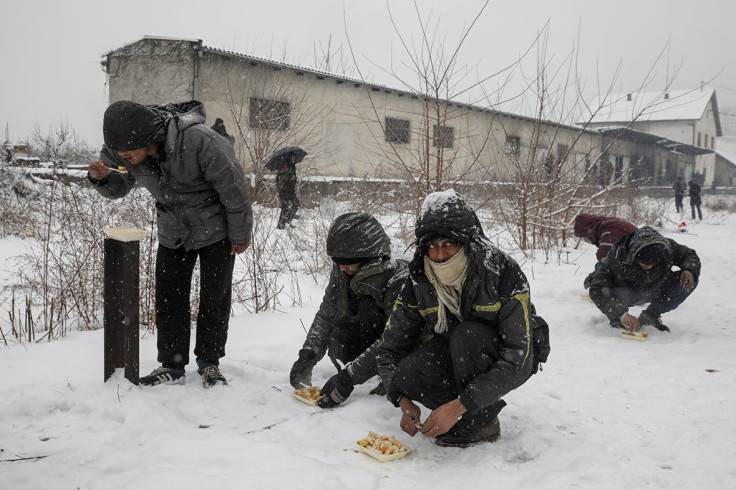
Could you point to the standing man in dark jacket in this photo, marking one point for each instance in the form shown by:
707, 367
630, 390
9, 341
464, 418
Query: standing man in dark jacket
203, 210
601, 231
286, 186
461, 335
638, 270
694, 193
679, 187
363, 287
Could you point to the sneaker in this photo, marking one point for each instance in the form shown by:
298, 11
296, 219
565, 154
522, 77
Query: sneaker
473, 428
162, 375
211, 375
646, 317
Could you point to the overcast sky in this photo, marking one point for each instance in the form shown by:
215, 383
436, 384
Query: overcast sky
51, 69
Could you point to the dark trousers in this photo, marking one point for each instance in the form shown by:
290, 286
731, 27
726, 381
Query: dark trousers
174, 268
666, 298
289, 207
693, 207
438, 371
349, 340
678, 202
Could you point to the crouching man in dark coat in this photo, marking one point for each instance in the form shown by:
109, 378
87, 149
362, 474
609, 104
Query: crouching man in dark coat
360, 295
203, 212
462, 333
638, 270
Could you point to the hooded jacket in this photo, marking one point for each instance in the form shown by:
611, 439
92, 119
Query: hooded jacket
356, 236
620, 269
495, 292
200, 189
603, 231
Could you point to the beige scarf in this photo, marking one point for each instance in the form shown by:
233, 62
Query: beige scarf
448, 279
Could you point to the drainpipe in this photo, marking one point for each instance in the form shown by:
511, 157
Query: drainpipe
197, 60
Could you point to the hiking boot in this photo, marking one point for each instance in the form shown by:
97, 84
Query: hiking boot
211, 375
473, 428
162, 375
646, 317
379, 390
465, 435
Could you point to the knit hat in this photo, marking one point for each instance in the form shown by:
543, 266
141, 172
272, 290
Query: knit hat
650, 254
128, 125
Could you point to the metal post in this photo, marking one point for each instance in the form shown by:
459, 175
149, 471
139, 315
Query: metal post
121, 308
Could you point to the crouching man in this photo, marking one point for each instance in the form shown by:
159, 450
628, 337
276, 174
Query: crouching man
638, 270
462, 333
360, 295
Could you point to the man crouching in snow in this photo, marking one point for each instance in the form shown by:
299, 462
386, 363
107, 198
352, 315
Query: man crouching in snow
363, 288
462, 334
638, 270
203, 211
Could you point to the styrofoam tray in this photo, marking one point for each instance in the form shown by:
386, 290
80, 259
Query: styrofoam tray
125, 234
384, 457
638, 336
298, 395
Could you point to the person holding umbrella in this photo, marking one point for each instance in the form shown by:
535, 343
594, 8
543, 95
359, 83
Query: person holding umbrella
284, 161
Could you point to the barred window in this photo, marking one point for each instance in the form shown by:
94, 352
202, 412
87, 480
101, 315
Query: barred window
397, 130
444, 136
562, 151
269, 114
513, 145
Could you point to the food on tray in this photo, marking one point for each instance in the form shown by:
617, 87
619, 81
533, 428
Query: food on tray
640, 336
125, 234
311, 393
123, 169
382, 444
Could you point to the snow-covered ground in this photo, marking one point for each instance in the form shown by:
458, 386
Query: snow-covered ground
604, 413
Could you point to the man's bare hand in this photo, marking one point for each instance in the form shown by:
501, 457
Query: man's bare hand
687, 280
410, 416
443, 418
239, 249
631, 323
99, 170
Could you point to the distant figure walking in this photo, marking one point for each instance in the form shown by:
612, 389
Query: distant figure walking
680, 188
694, 192
219, 128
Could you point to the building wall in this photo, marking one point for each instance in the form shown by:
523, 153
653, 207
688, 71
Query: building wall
339, 121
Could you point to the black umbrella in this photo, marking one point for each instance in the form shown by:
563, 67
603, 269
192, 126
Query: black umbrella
282, 155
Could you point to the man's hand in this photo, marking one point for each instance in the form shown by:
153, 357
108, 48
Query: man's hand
687, 280
99, 170
410, 414
443, 418
236, 249
631, 323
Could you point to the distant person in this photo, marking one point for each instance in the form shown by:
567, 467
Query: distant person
463, 333
680, 188
360, 295
286, 187
639, 270
601, 231
219, 128
694, 193
204, 212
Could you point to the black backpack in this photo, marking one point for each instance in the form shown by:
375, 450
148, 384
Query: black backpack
540, 346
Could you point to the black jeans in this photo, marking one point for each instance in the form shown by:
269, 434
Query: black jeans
350, 340
289, 207
174, 268
438, 371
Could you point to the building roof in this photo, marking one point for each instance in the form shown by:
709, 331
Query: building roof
634, 135
674, 105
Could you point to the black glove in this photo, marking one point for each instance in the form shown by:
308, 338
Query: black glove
301, 371
336, 390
